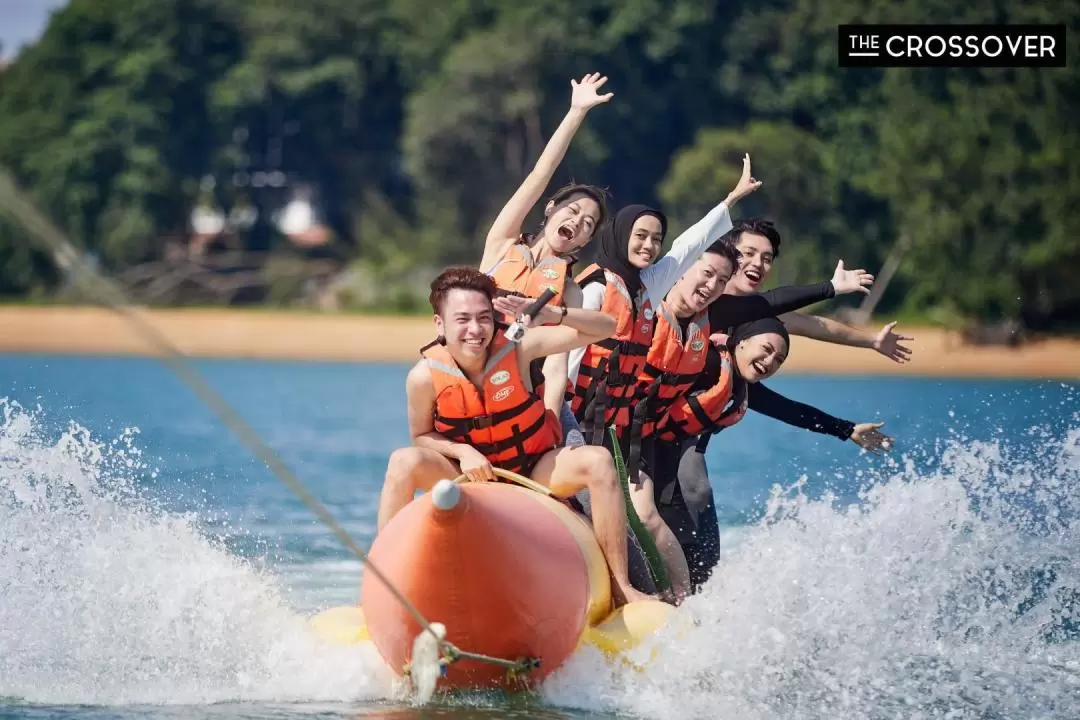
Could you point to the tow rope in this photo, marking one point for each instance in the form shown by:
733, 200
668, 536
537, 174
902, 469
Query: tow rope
98, 287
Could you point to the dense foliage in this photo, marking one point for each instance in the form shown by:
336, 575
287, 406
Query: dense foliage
416, 119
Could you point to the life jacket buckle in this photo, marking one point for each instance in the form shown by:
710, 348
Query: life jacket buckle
482, 422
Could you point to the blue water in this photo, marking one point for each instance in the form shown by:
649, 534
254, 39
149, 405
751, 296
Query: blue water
167, 571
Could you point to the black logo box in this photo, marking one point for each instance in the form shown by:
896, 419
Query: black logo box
943, 46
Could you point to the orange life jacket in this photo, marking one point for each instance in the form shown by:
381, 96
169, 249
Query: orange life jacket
518, 272
706, 411
616, 360
507, 423
672, 366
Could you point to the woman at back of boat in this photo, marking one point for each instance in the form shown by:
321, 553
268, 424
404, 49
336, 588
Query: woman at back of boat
626, 283
676, 356
729, 385
681, 475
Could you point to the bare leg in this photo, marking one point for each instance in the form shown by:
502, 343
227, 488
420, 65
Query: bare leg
666, 543
411, 469
567, 471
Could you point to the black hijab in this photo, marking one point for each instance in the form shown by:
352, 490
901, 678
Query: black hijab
615, 237
758, 327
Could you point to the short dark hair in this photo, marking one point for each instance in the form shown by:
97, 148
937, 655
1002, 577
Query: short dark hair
758, 226
568, 193
459, 277
725, 248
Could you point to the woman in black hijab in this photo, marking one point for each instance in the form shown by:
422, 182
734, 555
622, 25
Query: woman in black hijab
755, 351
630, 242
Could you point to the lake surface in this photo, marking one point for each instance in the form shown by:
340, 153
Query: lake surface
150, 566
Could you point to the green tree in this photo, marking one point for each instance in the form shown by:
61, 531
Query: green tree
105, 113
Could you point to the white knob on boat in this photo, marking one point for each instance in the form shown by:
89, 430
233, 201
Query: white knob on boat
445, 494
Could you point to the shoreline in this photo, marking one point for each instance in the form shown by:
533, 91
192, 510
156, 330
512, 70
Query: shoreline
299, 336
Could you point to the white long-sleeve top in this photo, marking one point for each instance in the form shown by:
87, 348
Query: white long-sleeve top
661, 276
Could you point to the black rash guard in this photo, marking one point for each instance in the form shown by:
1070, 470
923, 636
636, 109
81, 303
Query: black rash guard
730, 310
771, 403
727, 311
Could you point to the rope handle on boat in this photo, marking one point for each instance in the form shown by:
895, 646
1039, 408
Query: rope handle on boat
514, 478
106, 291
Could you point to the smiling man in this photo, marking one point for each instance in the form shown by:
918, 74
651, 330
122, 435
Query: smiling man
757, 241
472, 407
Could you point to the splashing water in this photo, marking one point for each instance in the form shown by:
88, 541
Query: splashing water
106, 599
954, 594
950, 593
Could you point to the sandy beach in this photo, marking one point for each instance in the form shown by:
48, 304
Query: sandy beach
361, 338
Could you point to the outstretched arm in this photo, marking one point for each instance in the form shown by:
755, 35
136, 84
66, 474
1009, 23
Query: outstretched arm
772, 404
828, 330
561, 332
507, 226
730, 310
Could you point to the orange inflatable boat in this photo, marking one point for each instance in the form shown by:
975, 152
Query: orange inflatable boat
510, 572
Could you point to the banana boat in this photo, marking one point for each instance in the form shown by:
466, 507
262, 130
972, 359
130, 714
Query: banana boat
512, 576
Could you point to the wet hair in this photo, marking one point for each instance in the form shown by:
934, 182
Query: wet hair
575, 191
724, 248
459, 277
758, 226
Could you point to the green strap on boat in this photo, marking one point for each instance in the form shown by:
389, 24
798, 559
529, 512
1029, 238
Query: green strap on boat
648, 545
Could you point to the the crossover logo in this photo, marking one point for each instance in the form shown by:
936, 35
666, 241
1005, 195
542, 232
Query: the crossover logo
951, 45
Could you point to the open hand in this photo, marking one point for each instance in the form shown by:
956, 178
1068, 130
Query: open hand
746, 185
475, 466
888, 344
849, 281
870, 438
584, 96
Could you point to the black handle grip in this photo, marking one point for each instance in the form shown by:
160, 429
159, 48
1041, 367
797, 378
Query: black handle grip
540, 302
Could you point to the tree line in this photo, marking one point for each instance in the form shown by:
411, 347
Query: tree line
415, 120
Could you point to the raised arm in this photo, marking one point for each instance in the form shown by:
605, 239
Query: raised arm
828, 330
505, 230
563, 328
772, 404
661, 276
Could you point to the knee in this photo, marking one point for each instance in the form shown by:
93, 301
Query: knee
697, 492
598, 467
403, 465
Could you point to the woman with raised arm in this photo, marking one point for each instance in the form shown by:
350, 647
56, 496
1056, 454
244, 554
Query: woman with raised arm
527, 264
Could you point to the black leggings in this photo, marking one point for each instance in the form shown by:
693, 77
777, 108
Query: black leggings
684, 498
